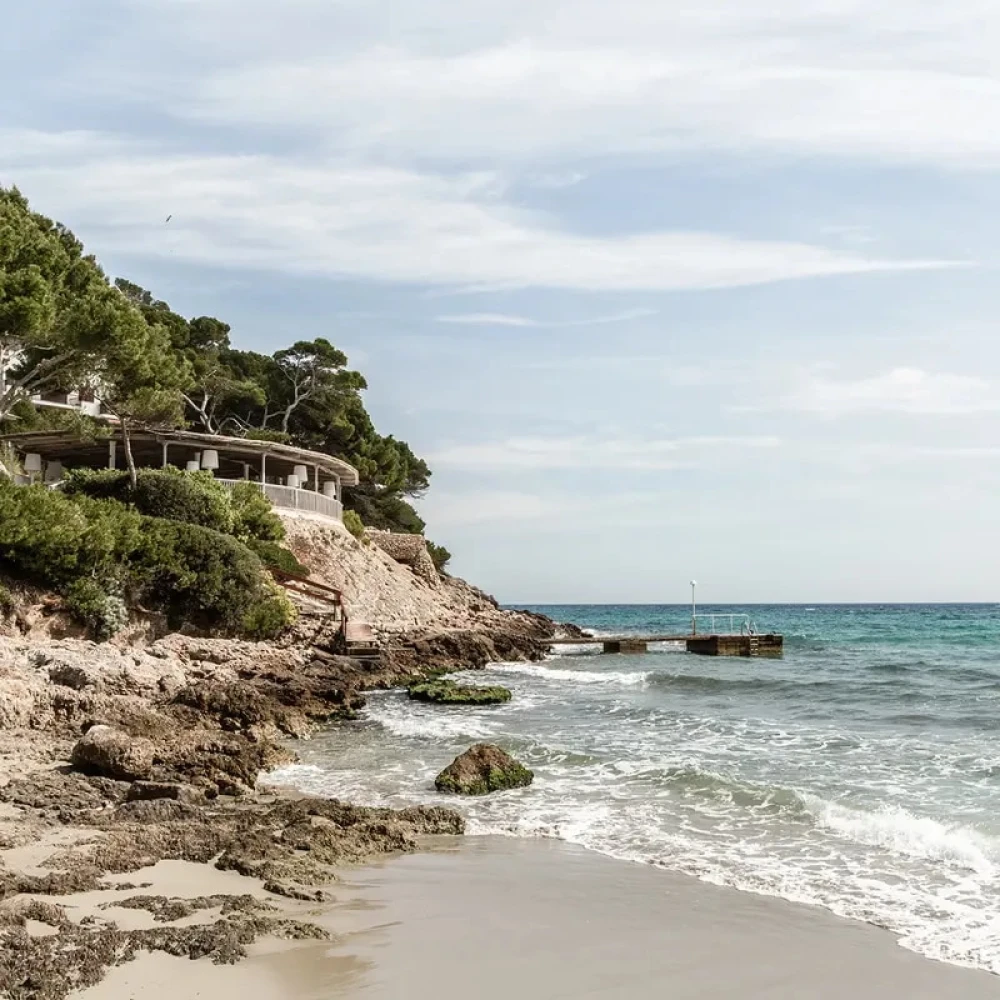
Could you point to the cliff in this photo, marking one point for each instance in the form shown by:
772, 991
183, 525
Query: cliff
399, 596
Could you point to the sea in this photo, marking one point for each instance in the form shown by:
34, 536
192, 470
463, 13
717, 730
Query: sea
860, 772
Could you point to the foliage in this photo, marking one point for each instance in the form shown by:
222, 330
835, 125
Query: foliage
353, 524
192, 497
63, 326
440, 556
92, 549
253, 515
209, 579
55, 539
7, 602
383, 509
276, 556
10, 461
104, 614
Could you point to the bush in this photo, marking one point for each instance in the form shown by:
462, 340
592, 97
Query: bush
92, 550
191, 497
253, 515
104, 614
440, 556
353, 524
277, 556
7, 602
56, 539
209, 579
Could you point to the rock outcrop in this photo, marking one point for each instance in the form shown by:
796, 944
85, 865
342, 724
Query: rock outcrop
482, 769
410, 550
445, 692
110, 753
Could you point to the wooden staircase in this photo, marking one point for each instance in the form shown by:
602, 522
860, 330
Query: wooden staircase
355, 639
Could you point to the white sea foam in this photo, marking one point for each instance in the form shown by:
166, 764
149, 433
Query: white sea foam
410, 719
542, 672
897, 830
735, 788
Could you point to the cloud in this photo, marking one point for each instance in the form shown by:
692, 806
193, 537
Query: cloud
377, 223
504, 319
902, 390
540, 453
904, 82
457, 509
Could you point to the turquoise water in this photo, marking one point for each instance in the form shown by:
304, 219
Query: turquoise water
860, 772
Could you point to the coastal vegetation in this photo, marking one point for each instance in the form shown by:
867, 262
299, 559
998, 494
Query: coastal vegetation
105, 556
64, 325
166, 541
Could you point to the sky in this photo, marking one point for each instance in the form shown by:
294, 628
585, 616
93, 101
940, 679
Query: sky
660, 289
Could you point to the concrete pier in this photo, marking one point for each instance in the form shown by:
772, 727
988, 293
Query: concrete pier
737, 644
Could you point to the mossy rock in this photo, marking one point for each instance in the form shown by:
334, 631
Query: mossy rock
482, 769
442, 692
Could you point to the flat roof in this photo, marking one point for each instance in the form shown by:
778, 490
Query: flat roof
147, 446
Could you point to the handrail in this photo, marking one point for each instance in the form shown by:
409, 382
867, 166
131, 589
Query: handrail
746, 624
291, 497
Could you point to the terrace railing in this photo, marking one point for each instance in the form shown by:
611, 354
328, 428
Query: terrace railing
731, 624
291, 498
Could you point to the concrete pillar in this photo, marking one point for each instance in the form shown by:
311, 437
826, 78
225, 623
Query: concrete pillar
263, 467
112, 445
165, 447
246, 470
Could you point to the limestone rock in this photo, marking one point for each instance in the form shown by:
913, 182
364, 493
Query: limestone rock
445, 692
109, 752
142, 791
482, 769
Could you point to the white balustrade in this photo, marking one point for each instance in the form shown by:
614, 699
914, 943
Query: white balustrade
291, 498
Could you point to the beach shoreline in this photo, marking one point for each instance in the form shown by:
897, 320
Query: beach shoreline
494, 917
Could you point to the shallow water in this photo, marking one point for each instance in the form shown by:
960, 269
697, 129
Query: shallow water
860, 772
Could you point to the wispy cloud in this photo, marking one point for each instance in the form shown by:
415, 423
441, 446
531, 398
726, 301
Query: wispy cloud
598, 453
902, 390
504, 319
523, 81
383, 224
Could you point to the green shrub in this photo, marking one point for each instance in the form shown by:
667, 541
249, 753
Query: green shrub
440, 556
56, 539
103, 613
271, 554
191, 497
7, 602
92, 550
253, 515
353, 524
208, 579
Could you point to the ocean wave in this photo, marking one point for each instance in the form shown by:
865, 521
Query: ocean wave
542, 672
690, 780
708, 682
895, 829
403, 718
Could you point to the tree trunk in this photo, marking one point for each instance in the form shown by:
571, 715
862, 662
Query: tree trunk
129, 458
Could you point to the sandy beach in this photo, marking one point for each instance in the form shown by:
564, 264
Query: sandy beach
493, 918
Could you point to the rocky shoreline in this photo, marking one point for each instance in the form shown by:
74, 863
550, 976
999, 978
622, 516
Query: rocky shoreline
117, 758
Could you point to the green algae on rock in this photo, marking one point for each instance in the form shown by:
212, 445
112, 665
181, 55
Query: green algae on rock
445, 692
482, 769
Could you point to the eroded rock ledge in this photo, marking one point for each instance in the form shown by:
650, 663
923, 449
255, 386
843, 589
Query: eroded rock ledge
154, 754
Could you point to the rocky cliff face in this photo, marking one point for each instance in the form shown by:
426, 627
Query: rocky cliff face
392, 595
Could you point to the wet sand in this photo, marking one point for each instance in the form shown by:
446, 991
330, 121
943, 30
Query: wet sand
495, 919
